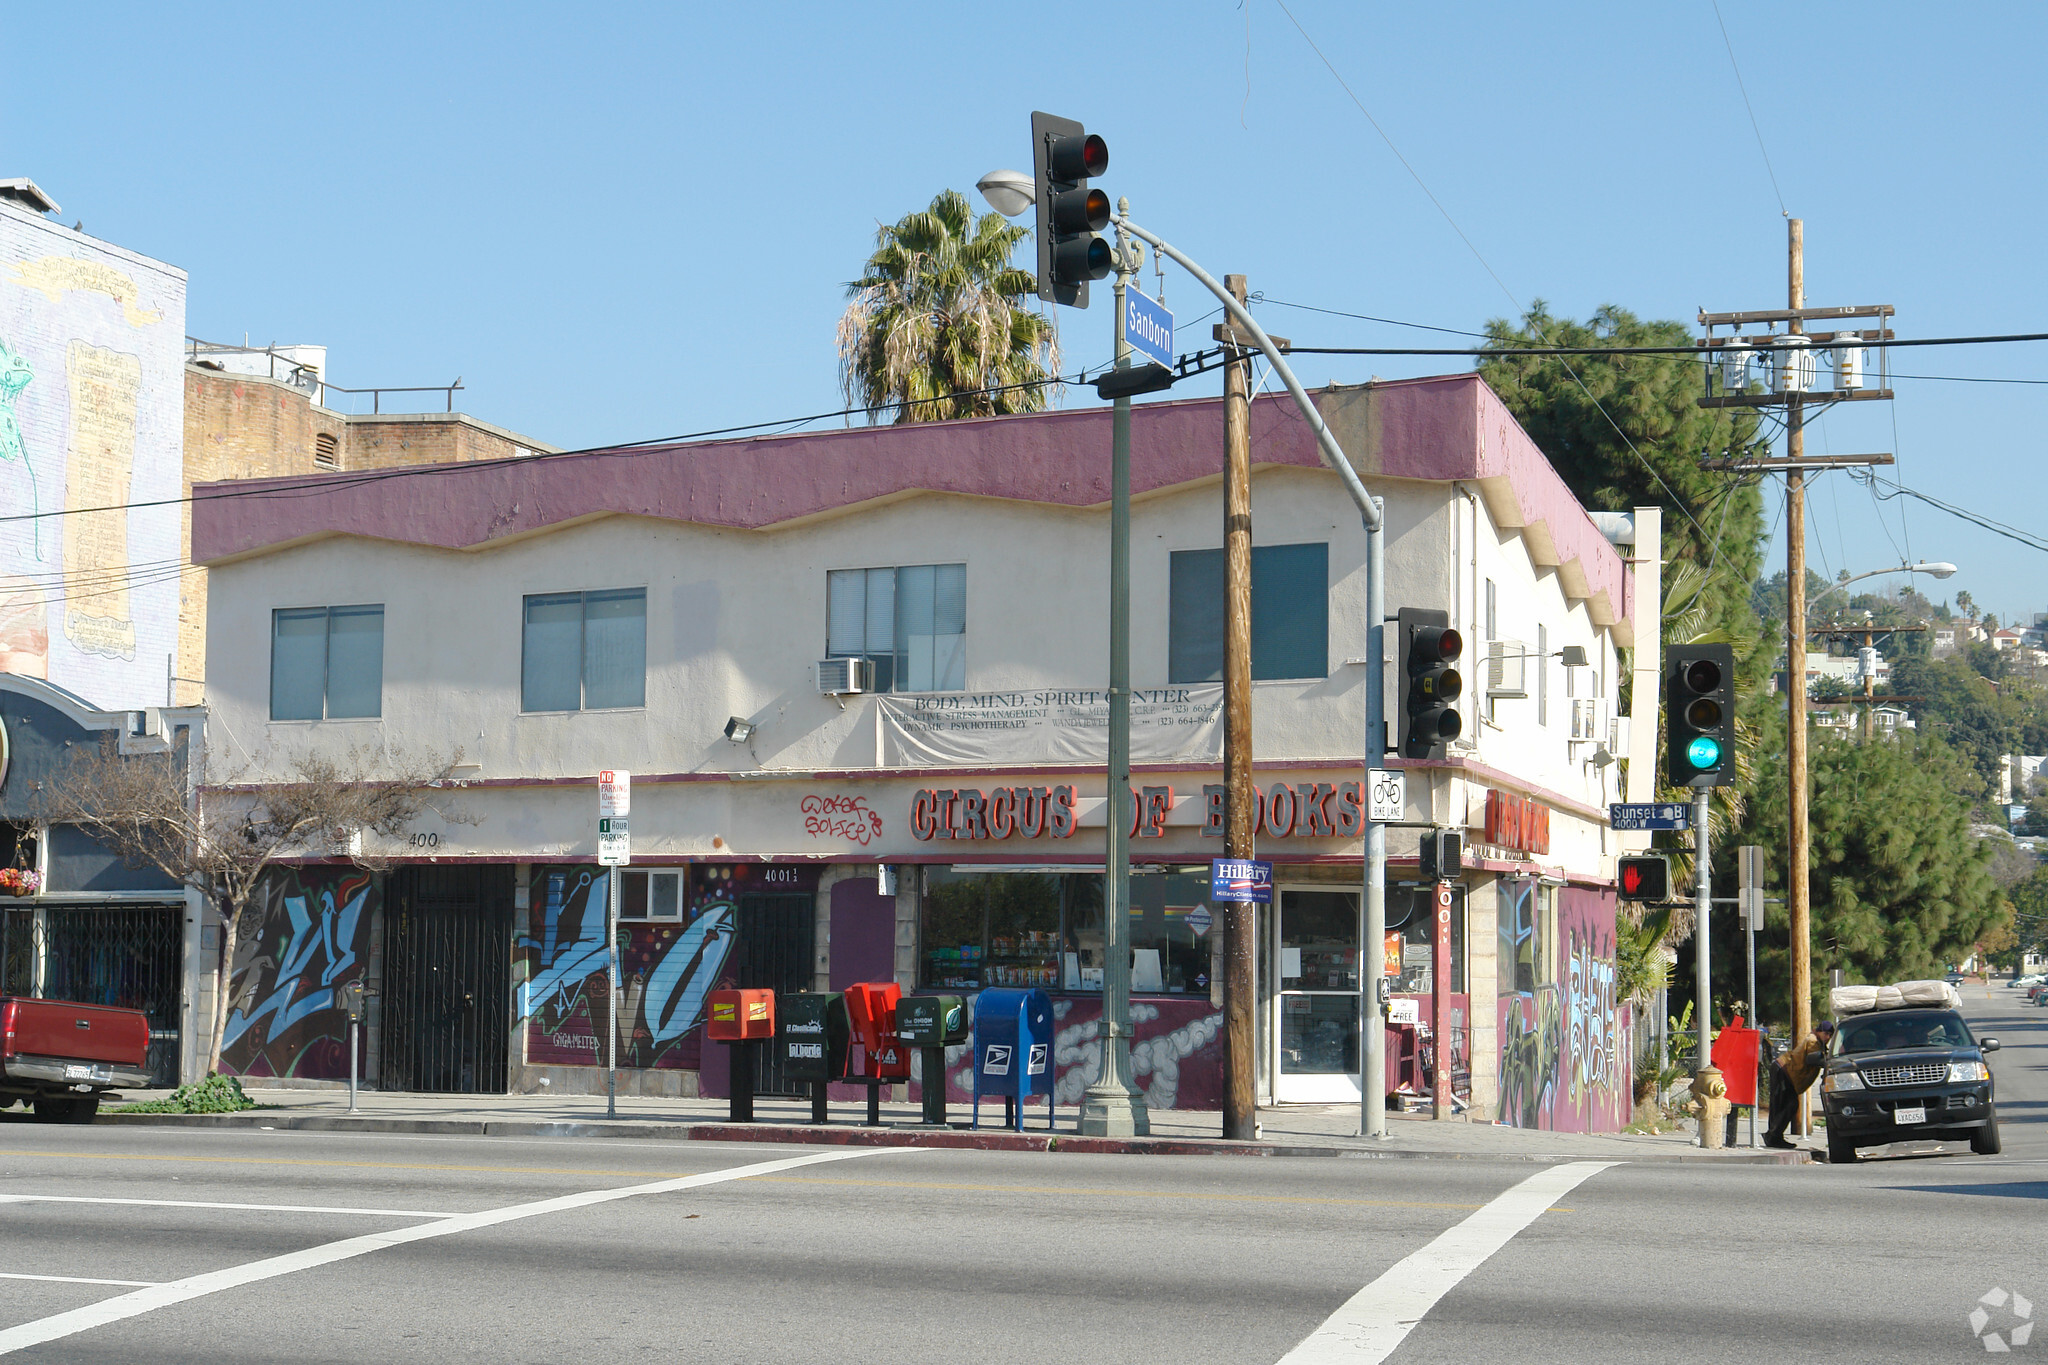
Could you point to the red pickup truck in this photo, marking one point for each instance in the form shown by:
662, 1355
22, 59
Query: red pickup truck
59, 1055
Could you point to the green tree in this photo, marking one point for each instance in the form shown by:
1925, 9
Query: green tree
1565, 403
1974, 718
1899, 885
938, 317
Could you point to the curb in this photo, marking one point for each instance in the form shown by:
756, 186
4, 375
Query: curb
981, 1140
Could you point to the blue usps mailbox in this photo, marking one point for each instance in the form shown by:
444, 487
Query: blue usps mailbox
1013, 1049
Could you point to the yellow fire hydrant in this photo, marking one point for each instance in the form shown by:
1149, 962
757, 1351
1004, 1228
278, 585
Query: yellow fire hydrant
1709, 1103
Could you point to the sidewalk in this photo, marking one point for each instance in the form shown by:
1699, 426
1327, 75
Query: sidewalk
1292, 1130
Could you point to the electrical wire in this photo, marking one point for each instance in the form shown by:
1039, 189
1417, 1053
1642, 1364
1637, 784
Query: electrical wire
1752, 112
1899, 490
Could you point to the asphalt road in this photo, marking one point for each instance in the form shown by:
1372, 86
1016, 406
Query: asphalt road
366, 1247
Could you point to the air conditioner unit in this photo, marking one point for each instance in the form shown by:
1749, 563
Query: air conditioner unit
1617, 736
845, 677
1589, 721
1507, 668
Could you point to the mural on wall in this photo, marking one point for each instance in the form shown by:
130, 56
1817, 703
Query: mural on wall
311, 937
666, 969
1176, 1055
91, 417
1565, 1041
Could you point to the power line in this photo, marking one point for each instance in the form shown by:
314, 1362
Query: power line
313, 486
1899, 490
1506, 352
1367, 317
1752, 112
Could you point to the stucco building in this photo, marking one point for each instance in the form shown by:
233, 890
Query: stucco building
858, 678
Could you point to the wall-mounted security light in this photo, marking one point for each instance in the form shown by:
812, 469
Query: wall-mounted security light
1574, 656
739, 729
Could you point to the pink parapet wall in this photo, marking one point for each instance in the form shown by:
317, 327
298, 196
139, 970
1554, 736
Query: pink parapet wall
1440, 429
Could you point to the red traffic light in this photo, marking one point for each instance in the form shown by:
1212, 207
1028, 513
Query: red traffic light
1077, 158
1434, 644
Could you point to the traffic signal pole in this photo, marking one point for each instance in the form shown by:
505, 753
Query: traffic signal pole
1372, 1029
1703, 904
1113, 1107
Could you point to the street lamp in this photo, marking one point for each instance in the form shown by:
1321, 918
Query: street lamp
1009, 193
1933, 569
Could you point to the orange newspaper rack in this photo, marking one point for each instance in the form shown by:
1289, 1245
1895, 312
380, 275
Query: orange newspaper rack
740, 1016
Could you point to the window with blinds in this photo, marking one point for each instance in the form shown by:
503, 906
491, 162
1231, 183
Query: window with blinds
584, 651
911, 620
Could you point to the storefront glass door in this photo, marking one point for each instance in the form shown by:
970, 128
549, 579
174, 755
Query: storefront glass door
1315, 954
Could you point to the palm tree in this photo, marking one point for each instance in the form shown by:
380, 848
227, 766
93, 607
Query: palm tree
937, 328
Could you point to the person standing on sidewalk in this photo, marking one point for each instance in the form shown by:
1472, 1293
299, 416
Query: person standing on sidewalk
1792, 1075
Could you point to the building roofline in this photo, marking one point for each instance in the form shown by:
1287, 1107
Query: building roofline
1446, 429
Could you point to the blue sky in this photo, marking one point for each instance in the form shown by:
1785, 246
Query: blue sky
640, 225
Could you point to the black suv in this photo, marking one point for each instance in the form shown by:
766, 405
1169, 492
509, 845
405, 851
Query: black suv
1908, 1075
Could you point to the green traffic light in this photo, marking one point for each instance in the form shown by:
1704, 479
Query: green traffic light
1703, 752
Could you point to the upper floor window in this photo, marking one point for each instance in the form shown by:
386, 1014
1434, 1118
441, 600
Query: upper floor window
584, 651
1290, 613
912, 621
327, 663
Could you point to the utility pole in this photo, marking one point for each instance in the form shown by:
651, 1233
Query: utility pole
1373, 512
1240, 799
1113, 1107
1791, 367
1798, 853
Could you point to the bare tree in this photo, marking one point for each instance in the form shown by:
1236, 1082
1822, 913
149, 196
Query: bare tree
139, 807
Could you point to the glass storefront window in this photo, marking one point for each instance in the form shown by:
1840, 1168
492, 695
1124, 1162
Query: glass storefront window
1411, 910
1045, 929
1319, 1034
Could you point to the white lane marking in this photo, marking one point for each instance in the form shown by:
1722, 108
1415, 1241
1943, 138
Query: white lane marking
1377, 1319
73, 1279
149, 1299
207, 1204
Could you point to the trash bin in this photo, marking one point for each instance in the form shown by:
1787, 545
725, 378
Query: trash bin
1013, 1049
931, 1024
741, 1020
811, 1031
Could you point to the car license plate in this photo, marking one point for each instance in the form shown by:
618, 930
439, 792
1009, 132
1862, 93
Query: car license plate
1916, 1114
75, 1072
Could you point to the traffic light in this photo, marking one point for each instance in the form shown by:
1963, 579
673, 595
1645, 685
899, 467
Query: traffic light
1699, 716
1442, 855
1646, 879
1063, 157
1430, 687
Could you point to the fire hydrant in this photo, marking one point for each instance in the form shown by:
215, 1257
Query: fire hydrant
1709, 1103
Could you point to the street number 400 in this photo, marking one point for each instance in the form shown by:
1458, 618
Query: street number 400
426, 841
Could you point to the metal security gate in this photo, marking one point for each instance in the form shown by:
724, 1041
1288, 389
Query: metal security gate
774, 948
129, 956
447, 979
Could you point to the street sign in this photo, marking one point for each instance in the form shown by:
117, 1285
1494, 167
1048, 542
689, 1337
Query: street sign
1242, 880
614, 832
1148, 327
1642, 815
1387, 792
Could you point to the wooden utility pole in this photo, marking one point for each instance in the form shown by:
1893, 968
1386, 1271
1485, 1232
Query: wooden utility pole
1795, 372
1240, 801
1797, 854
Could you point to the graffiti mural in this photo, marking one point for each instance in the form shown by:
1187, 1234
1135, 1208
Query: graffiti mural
666, 969
91, 418
1565, 1060
311, 936
1176, 1055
